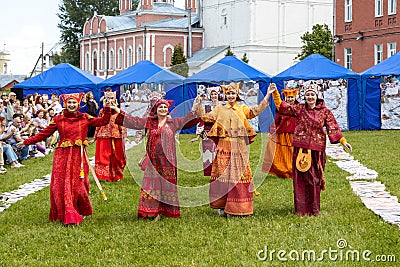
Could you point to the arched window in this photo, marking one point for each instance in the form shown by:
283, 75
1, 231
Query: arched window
130, 58
139, 53
87, 62
103, 60
120, 58
111, 64
94, 61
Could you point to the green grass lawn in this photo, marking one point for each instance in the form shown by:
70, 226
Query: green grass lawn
113, 236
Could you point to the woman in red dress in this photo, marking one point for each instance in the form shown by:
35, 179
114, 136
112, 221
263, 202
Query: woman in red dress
312, 118
110, 159
69, 186
159, 192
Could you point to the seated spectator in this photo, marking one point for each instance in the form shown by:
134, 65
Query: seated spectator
3, 112
2, 169
40, 122
7, 149
28, 130
55, 103
14, 133
28, 108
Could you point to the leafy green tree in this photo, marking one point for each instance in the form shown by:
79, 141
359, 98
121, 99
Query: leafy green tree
73, 15
245, 59
319, 41
229, 52
179, 62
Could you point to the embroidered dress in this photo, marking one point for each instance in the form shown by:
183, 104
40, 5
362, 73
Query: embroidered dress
309, 134
231, 181
69, 192
159, 193
279, 150
110, 157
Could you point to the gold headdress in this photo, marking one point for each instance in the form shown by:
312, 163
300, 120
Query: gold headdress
290, 92
234, 87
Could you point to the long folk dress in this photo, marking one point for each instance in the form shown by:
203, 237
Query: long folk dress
309, 134
69, 186
231, 181
110, 159
279, 149
159, 192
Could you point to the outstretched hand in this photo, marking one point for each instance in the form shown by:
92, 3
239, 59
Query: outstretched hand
197, 102
272, 88
21, 144
348, 146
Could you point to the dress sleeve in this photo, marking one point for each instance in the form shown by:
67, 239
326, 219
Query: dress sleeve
332, 128
103, 120
208, 117
258, 109
186, 122
277, 99
42, 135
129, 121
289, 110
97, 129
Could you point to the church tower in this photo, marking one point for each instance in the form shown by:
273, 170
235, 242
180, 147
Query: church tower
4, 59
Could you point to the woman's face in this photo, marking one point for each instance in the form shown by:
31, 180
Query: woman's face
72, 105
311, 98
214, 96
290, 100
26, 102
231, 96
162, 110
40, 114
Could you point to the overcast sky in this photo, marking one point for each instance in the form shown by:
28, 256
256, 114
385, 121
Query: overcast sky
24, 26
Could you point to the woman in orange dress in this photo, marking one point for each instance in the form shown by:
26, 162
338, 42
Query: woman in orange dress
279, 150
69, 186
231, 181
110, 157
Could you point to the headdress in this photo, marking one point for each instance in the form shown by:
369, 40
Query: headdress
157, 103
290, 92
76, 96
212, 89
232, 87
110, 94
312, 87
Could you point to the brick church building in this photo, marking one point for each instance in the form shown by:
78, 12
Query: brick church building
111, 44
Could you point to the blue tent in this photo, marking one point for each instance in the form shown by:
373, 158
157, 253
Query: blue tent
232, 69
61, 79
228, 69
370, 80
146, 71
316, 67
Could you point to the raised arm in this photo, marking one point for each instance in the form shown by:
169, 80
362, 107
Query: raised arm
129, 121
258, 109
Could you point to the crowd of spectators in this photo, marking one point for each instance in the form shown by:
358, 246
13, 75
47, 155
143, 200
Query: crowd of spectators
21, 120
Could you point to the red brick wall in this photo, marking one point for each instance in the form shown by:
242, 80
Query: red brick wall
380, 30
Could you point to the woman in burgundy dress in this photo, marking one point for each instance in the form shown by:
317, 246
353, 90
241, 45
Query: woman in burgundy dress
159, 192
312, 118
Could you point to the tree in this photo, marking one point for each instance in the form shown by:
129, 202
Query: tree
320, 41
245, 59
178, 62
229, 52
73, 15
